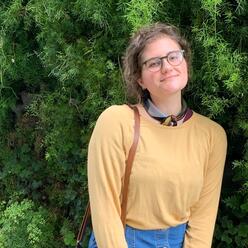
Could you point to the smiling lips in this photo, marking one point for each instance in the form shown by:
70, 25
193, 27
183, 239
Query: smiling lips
168, 77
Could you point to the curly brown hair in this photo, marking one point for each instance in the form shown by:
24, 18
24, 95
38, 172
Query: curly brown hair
132, 57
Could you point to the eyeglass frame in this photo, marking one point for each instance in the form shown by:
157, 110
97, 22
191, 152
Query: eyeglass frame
165, 57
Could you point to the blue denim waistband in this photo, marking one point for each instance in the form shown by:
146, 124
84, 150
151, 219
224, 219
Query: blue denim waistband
172, 237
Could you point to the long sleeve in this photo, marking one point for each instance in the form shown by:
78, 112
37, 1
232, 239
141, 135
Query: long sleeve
203, 214
106, 165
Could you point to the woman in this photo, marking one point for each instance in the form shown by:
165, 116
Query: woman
177, 171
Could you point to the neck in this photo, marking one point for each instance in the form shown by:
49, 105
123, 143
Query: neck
170, 105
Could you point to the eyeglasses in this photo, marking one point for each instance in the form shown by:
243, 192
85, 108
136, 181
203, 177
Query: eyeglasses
174, 58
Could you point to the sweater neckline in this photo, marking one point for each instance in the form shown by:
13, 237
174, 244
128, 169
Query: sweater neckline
149, 122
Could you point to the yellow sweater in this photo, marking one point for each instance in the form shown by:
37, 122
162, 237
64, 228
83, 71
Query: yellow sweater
176, 176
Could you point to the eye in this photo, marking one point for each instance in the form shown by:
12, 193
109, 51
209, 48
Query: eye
153, 63
174, 57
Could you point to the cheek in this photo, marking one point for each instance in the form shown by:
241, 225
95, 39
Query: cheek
185, 78
145, 78
185, 71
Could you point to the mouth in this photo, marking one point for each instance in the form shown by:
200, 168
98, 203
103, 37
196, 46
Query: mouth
168, 77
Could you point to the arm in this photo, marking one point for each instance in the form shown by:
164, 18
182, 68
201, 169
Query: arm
203, 214
106, 165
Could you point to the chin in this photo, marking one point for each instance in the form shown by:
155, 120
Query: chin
173, 88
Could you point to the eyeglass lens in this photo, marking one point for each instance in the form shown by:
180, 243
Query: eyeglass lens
173, 58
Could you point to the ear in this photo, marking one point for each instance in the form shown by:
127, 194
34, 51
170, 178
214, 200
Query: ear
139, 81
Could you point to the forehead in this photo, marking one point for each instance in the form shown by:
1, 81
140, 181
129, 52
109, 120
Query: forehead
160, 46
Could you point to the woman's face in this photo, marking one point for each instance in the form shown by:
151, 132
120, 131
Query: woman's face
170, 79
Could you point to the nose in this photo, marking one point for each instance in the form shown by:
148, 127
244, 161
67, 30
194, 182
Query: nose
165, 66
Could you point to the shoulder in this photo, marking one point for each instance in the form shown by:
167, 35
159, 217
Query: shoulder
114, 126
205, 122
209, 127
116, 118
116, 111
115, 115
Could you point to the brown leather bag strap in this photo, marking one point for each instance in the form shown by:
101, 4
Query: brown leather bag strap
83, 225
129, 164
128, 169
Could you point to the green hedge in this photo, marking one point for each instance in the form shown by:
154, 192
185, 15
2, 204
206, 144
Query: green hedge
60, 66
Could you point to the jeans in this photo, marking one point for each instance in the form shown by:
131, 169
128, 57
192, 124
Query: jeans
172, 237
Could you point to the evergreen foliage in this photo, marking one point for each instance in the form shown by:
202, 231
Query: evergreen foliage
22, 225
60, 66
